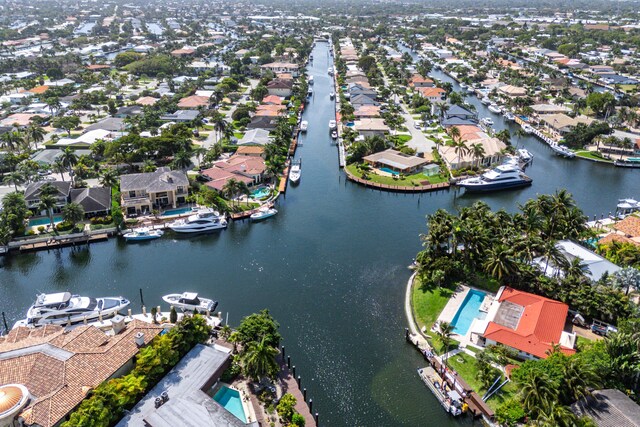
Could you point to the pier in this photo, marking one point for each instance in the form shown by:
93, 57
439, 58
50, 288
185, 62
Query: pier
55, 242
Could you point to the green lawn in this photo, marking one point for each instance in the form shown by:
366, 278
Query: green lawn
437, 345
401, 138
238, 135
466, 367
408, 181
592, 155
427, 303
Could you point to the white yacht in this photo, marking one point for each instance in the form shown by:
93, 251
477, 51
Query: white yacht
487, 121
142, 234
309, 92
485, 101
333, 125
295, 172
500, 178
508, 116
189, 301
330, 71
203, 220
527, 129
334, 135
525, 155
332, 95
627, 206
263, 213
63, 307
563, 151
310, 80
494, 108
304, 125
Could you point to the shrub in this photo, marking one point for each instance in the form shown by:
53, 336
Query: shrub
297, 420
286, 407
510, 412
64, 226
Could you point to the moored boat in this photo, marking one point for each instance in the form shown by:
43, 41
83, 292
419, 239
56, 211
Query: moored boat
629, 163
334, 135
494, 108
333, 125
525, 155
311, 77
295, 172
527, 129
487, 121
142, 234
509, 116
190, 301
485, 101
263, 213
450, 400
332, 95
203, 220
501, 177
304, 125
627, 206
563, 151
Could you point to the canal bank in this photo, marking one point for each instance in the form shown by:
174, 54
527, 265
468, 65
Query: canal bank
331, 267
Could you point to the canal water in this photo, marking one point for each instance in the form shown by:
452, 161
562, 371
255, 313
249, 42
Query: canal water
331, 267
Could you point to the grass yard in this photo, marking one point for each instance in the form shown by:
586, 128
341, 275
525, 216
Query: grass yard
408, 181
238, 135
592, 155
401, 138
427, 303
466, 367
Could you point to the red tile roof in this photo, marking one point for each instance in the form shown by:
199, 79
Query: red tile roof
540, 325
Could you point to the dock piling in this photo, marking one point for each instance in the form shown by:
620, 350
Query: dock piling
316, 416
311, 407
4, 321
294, 371
283, 352
299, 380
289, 362
304, 393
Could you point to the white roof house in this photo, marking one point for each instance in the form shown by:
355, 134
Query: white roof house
595, 265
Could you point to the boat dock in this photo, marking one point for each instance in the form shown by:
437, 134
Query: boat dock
341, 155
55, 242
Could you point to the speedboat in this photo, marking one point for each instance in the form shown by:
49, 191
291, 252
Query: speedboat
332, 95
463, 86
189, 301
494, 108
334, 135
509, 116
263, 213
309, 92
627, 206
527, 129
310, 80
330, 71
295, 172
333, 125
304, 125
203, 220
501, 177
525, 155
63, 307
141, 234
487, 121
563, 151
485, 101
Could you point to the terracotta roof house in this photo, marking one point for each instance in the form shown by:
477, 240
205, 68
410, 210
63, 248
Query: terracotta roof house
471, 135
193, 102
19, 119
248, 169
98, 67
417, 81
59, 367
183, 52
281, 67
271, 110
272, 100
39, 90
562, 123
433, 94
630, 226
528, 323
250, 150
147, 101
512, 91
609, 408
367, 111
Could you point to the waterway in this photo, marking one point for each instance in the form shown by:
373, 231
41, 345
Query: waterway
331, 267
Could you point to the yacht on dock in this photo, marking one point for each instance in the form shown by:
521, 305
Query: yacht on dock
334, 135
627, 206
494, 108
310, 80
563, 151
189, 301
295, 172
142, 234
333, 125
330, 71
450, 399
304, 125
203, 220
501, 177
487, 121
63, 308
525, 156
485, 101
332, 95
509, 116
309, 92
527, 129
263, 213
631, 162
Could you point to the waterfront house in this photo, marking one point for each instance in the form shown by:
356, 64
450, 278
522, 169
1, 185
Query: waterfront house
371, 126
608, 408
57, 368
433, 94
281, 67
594, 265
561, 123
280, 87
457, 116
248, 169
250, 150
361, 99
255, 137
396, 161
271, 100
143, 192
367, 111
34, 190
528, 323
95, 201
511, 91
263, 122
417, 81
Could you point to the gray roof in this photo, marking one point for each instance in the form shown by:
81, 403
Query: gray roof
96, 199
49, 155
363, 99
32, 192
112, 124
262, 122
188, 405
181, 115
163, 179
609, 408
457, 121
456, 110
255, 137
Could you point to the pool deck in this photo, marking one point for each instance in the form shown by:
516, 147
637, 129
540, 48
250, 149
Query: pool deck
452, 307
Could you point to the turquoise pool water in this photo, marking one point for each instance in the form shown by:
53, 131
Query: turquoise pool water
34, 222
176, 211
469, 310
231, 401
261, 193
387, 170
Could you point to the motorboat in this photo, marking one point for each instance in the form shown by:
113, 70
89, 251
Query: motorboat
450, 399
485, 101
330, 71
527, 129
309, 92
501, 177
563, 151
62, 308
494, 108
203, 220
304, 125
333, 125
310, 80
632, 162
470, 89
190, 301
295, 172
487, 121
332, 95
512, 161
509, 116
525, 155
334, 135
142, 234
463, 86
627, 206
263, 213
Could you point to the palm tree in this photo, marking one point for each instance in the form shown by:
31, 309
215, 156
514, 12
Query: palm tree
10, 140
555, 415
14, 178
48, 203
537, 392
259, 360
58, 166
454, 133
219, 124
461, 149
35, 134
504, 136
477, 150
73, 213
199, 152
230, 189
444, 332
578, 379
109, 178
499, 262
69, 159
182, 160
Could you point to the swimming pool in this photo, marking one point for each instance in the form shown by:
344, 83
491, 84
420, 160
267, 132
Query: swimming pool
180, 211
34, 222
261, 192
231, 401
391, 171
469, 310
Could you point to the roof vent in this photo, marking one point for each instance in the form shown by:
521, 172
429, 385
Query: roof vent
139, 339
118, 324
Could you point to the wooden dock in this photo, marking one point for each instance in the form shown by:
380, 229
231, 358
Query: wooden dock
397, 188
63, 241
290, 385
341, 155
